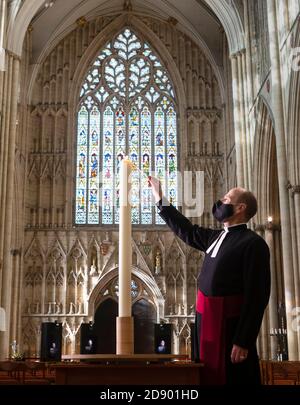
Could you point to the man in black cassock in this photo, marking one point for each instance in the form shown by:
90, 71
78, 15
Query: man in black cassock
233, 286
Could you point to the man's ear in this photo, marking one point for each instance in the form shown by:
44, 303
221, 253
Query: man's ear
244, 206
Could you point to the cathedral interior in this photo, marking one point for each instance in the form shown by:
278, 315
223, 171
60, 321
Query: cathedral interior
208, 86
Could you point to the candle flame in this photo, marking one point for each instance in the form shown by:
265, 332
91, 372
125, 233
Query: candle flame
135, 167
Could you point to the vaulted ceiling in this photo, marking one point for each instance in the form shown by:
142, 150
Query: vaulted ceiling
194, 18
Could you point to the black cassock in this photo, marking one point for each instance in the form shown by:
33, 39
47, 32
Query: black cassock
241, 268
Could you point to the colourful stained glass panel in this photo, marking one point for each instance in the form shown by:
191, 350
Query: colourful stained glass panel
134, 146
93, 211
146, 153
172, 155
81, 176
160, 151
126, 107
108, 166
120, 152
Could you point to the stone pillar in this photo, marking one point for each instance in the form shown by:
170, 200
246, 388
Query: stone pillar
242, 80
195, 77
44, 289
248, 54
249, 85
189, 74
15, 297
296, 195
295, 222
273, 302
65, 284
3, 22
7, 169
182, 60
264, 331
237, 121
277, 106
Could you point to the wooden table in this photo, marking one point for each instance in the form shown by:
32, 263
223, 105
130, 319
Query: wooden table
133, 370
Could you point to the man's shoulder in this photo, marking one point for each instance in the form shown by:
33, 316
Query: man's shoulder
256, 239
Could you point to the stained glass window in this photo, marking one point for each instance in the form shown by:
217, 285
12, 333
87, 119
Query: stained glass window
127, 107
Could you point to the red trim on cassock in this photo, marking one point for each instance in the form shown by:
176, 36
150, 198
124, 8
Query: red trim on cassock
214, 312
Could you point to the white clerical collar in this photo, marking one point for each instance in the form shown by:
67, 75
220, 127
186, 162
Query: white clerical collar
215, 246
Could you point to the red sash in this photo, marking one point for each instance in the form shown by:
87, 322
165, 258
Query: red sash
214, 312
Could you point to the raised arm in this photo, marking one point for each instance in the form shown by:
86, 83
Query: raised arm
194, 235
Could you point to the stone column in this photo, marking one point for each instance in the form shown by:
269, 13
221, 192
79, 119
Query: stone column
295, 221
195, 72
185, 289
8, 144
248, 55
264, 331
237, 120
65, 286
242, 81
273, 302
15, 297
249, 85
44, 289
3, 22
277, 106
189, 74
296, 195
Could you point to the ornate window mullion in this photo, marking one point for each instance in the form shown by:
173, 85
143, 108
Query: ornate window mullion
114, 166
129, 78
166, 154
152, 111
87, 166
101, 165
127, 112
139, 161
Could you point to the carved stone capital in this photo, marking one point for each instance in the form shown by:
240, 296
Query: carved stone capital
81, 21
173, 21
267, 226
295, 190
15, 252
237, 54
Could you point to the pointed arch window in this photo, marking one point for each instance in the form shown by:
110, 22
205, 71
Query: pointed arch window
127, 107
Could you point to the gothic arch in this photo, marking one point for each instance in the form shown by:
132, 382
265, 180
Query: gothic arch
17, 28
226, 12
156, 44
147, 280
265, 166
67, 27
231, 21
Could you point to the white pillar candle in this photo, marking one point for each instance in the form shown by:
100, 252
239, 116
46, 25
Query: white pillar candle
125, 248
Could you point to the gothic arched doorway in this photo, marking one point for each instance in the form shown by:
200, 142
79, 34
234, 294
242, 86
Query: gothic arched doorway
105, 326
144, 318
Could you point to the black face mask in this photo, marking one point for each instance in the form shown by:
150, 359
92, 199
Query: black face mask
222, 211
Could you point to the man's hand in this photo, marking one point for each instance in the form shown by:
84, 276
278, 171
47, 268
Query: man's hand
155, 185
238, 354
